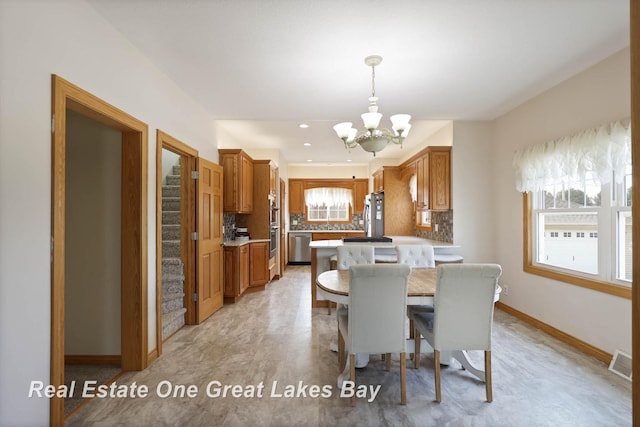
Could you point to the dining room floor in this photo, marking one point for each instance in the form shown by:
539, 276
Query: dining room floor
274, 348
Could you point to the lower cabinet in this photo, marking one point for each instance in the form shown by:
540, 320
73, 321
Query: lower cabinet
245, 267
259, 264
236, 272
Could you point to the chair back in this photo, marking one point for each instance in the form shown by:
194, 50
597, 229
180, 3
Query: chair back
416, 256
377, 308
463, 306
349, 255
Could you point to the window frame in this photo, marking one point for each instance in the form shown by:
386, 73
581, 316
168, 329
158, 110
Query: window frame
530, 266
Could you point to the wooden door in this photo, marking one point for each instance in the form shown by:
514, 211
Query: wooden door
209, 286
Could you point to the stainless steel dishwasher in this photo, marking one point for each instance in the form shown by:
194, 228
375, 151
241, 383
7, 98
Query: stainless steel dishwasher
299, 251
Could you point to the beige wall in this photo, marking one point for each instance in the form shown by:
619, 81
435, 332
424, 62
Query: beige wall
597, 96
473, 199
92, 238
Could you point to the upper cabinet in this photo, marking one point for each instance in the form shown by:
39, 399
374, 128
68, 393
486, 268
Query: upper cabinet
238, 180
296, 196
440, 178
378, 181
360, 190
432, 168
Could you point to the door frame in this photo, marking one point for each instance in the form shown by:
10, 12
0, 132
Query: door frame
188, 156
134, 323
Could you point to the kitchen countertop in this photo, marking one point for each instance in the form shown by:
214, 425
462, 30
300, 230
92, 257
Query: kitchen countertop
397, 240
236, 243
326, 231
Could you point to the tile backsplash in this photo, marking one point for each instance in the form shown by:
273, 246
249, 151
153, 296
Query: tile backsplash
229, 222
297, 222
445, 227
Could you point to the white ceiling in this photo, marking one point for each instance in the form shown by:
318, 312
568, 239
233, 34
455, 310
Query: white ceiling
261, 67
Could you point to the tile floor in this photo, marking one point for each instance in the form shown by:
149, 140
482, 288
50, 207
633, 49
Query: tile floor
274, 337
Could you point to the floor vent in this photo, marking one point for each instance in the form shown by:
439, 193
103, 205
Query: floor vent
621, 364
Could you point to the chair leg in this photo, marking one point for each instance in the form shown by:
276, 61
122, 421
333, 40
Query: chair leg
412, 334
387, 361
342, 359
352, 374
436, 369
329, 308
403, 378
416, 341
487, 375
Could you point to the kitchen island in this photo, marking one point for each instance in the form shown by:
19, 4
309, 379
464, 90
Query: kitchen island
323, 250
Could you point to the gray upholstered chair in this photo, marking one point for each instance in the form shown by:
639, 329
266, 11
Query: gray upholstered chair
462, 319
348, 255
416, 256
376, 319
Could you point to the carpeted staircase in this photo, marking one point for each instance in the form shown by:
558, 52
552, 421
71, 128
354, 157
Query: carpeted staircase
172, 266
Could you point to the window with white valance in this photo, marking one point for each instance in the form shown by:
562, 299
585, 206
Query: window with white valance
600, 152
578, 218
328, 204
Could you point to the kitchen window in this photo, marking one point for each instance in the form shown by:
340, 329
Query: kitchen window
328, 204
575, 187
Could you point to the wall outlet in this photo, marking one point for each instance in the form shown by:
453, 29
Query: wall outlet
294, 222
505, 289
435, 226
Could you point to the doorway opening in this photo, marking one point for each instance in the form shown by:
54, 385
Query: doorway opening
175, 223
131, 249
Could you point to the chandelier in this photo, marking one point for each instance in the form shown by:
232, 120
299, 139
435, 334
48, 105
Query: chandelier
374, 139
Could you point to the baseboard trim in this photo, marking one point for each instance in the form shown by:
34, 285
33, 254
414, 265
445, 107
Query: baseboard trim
151, 357
587, 348
92, 359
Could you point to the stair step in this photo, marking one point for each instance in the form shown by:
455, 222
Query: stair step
171, 248
171, 232
176, 170
170, 191
171, 204
174, 303
171, 322
171, 217
173, 180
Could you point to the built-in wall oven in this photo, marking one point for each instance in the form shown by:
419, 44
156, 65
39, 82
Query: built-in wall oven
273, 240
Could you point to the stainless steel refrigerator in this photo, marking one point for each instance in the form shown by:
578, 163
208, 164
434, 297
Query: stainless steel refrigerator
374, 214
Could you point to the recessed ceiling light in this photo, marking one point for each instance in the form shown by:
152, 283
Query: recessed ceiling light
309, 160
303, 125
349, 160
307, 144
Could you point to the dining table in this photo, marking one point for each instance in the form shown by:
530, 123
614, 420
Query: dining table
334, 286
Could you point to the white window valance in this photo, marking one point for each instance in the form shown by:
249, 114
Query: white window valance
328, 196
599, 151
413, 188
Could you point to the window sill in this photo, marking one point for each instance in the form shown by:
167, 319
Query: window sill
596, 285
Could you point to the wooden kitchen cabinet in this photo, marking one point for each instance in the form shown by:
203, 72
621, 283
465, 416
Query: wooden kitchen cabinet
422, 182
259, 264
378, 181
440, 178
433, 176
238, 181
236, 272
360, 190
296, 196
273, 180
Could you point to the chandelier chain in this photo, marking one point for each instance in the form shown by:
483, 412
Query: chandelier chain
373, 80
